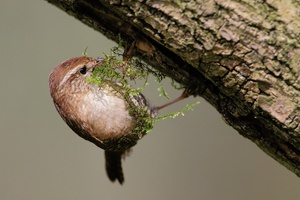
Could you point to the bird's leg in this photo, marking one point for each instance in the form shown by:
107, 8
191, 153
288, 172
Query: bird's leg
184, 95
129, 49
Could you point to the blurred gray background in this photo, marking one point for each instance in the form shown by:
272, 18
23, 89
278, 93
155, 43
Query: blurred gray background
192, 157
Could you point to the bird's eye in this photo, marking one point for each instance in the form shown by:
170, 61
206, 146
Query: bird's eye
82, 70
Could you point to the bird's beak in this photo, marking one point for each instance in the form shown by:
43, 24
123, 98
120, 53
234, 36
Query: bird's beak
98, 60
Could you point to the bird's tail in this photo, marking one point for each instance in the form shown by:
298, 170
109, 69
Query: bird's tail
113, 164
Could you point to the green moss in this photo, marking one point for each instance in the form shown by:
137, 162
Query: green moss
118, 74
180, 112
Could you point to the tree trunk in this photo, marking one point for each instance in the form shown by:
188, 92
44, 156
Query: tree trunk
242, 56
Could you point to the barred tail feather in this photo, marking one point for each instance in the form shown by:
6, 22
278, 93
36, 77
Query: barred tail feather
113, 166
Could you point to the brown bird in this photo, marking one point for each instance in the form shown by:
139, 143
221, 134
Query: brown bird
98, 113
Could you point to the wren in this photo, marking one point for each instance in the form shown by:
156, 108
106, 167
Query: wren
99, 113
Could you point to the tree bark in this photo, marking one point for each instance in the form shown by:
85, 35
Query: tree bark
242, 56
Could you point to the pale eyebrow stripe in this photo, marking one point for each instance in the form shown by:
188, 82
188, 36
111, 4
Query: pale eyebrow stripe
67, 76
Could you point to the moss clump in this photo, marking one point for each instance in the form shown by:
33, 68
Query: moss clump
118, 74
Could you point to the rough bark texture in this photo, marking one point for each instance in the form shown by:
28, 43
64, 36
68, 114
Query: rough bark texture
243, 56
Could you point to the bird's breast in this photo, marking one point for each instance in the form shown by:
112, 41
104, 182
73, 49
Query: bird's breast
105, 115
